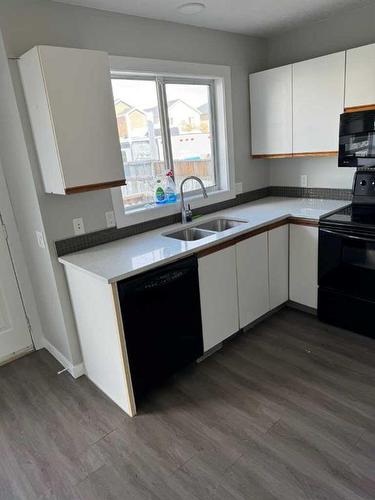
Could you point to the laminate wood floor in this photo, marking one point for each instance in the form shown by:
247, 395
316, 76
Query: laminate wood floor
284, 411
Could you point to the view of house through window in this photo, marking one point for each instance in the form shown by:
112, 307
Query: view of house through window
190, 130
143, 138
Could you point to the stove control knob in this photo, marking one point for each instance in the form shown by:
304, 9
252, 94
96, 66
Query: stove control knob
363, 182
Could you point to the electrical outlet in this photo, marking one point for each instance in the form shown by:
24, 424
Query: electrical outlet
79, 228
238, 187
40, 239
304, 181
110, 218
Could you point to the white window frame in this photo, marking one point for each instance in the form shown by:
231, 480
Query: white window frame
221, 76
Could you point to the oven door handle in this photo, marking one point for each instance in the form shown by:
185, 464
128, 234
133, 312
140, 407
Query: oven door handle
348, 236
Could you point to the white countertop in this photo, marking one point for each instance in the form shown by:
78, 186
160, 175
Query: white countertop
123, 258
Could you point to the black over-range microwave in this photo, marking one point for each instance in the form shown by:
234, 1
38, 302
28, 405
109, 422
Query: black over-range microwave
357, 139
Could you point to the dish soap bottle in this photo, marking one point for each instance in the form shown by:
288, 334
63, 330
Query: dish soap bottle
159, 193
170, 189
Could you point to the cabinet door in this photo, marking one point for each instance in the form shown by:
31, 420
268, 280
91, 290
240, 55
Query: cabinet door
318, 100
360, 77
303, 265
218, 293
70, 102
278, 259
252, 276
271, 111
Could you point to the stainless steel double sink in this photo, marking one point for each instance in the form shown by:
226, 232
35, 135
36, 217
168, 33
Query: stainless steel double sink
205, 229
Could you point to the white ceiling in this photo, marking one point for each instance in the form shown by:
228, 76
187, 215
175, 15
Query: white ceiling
251, 17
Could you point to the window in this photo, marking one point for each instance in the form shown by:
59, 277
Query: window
172, 116
164, 124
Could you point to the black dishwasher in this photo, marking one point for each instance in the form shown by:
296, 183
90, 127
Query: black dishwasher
162, 322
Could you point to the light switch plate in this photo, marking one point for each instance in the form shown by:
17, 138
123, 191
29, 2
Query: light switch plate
40, 239
304, 181
79, 228
110, 218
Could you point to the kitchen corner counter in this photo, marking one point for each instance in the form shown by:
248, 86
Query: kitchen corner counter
121, 259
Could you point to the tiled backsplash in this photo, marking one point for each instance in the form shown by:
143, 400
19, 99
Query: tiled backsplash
77, 243
303, 192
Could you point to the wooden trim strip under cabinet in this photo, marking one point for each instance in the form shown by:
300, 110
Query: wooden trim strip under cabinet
298, 221
316, 153
241, 237
226, 244
326, 154
95, 187
354, 109
269, 156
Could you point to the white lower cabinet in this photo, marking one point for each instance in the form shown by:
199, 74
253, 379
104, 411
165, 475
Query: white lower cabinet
218, 293
303, 265
242, 282
278, 261
252, 276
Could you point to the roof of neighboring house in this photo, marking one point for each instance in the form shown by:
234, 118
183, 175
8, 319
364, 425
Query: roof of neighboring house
155, 109
204, 108
175, 101
130, 110
122, 104
118, 101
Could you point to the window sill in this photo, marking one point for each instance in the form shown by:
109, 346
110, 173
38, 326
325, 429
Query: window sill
147, 213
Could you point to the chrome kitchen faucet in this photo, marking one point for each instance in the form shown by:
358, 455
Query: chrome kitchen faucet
186, 213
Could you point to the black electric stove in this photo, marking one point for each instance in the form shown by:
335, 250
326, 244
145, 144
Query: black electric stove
356, 216
346, 278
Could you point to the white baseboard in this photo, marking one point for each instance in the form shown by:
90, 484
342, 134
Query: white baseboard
74, 370
8, 359
78, 370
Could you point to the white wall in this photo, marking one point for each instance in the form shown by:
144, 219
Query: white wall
321, 172
18, 174
18, 260
26, 23
336, 33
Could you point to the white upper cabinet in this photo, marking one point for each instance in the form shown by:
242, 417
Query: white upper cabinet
69, 97
271, 111
318, 101
360, 77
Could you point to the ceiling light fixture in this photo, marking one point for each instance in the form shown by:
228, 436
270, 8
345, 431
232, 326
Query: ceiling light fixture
191, 8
